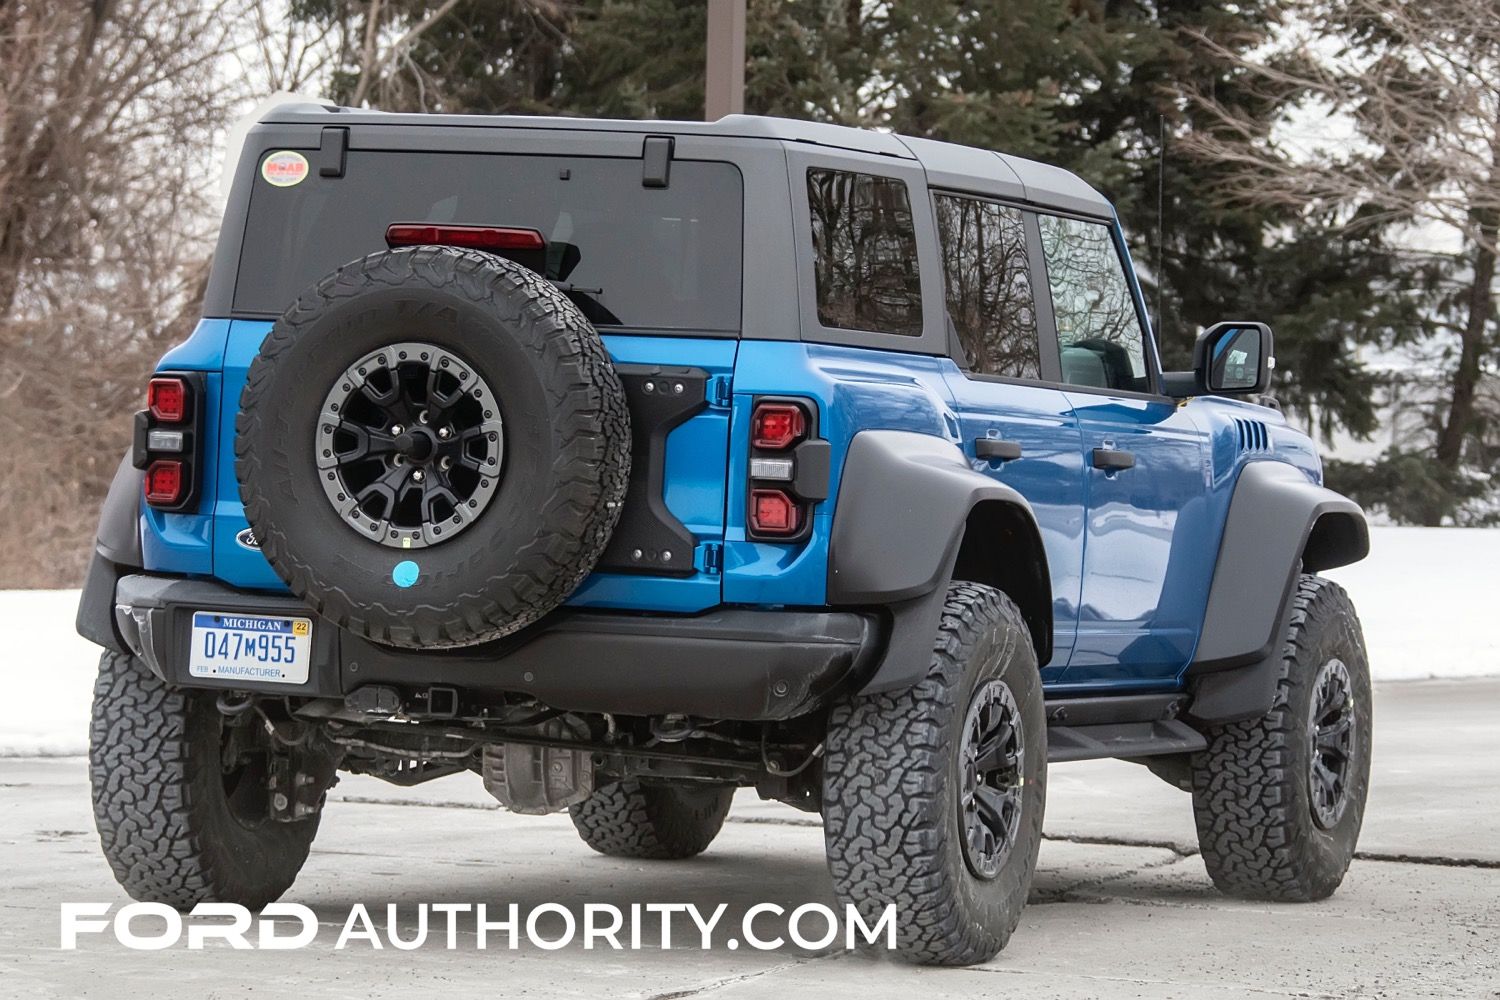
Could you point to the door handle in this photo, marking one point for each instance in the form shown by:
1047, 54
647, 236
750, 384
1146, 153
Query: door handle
997, 450
1112, 460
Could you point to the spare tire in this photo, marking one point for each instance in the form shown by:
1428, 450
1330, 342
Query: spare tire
432, 447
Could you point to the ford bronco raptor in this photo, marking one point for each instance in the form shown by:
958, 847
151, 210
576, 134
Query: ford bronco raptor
625, 464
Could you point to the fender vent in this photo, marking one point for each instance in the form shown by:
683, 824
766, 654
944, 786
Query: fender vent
1253, 435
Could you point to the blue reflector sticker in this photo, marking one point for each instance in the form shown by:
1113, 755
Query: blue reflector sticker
405, 573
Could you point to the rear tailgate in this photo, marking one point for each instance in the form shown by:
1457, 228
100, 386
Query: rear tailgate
656, 268
674, 510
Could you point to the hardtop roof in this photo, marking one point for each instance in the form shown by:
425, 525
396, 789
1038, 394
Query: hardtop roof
948, 165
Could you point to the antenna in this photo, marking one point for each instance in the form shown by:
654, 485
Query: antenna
1161, 169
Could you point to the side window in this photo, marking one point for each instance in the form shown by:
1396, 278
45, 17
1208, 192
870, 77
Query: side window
865, 253
1098, 331
988, 286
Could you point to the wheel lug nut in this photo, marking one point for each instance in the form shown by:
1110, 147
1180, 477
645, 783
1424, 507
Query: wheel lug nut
417, 476
445, 432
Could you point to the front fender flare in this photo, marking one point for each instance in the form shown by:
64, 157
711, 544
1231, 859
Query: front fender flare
1280, 524
903, 505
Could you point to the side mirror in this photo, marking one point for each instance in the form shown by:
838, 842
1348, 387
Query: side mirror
1229, 359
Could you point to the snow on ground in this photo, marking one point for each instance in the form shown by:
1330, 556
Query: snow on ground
1424, 596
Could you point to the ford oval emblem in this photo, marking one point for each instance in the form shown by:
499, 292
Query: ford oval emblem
247, 539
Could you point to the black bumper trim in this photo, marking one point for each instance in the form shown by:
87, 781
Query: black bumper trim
730, 663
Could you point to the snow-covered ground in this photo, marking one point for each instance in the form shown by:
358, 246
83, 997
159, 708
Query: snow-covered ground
1425, 597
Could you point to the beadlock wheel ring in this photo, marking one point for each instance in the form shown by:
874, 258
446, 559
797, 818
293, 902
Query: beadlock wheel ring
1331, 735
410, 445
991, 764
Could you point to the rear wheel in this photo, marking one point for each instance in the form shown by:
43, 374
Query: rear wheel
632, 819
1279, 800
933, 795
180, 795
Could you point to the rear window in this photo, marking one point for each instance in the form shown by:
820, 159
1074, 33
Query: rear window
630, 256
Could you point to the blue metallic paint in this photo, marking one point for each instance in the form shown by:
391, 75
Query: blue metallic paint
695, 476
1049, 474
1145, 578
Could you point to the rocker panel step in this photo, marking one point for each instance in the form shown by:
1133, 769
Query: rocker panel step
1122, 739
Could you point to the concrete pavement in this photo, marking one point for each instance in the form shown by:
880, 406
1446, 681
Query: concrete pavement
1133, 919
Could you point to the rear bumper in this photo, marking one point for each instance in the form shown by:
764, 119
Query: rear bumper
724, 664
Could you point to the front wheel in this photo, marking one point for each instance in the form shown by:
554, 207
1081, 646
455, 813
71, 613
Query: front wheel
1279, 800
933, 795
180, 796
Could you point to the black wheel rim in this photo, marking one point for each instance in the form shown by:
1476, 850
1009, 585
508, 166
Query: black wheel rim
1332, 738
991, 760
409, 445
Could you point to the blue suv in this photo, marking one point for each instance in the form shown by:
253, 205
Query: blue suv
626, 464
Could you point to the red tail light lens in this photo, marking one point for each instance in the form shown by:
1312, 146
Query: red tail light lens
168, 400
408, 234
165, 483
773, 512
775, 426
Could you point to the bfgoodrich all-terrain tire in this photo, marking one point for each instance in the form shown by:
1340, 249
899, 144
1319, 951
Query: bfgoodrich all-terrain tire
629, 819
1279, 800
433, 447
176, 827
933, 795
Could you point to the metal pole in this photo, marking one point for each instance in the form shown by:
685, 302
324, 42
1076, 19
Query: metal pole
724, 69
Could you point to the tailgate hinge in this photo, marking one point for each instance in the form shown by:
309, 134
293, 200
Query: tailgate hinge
720, 391
710, 558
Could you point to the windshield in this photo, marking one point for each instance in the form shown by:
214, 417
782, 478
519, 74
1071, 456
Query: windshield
629, 256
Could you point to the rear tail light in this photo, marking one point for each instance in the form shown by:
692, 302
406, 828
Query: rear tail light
789, 470
166, 440
774, 512
777, 426
169, 399
407, 234
166, 483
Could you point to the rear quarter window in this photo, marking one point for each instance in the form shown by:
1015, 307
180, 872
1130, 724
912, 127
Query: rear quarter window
654, 258
864, 253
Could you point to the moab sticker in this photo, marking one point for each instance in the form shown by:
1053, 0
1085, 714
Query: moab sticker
284, 169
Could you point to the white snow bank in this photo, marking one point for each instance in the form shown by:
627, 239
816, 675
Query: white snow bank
1425, 597
49, 672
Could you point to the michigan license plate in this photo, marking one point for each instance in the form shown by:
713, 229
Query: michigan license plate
250, 648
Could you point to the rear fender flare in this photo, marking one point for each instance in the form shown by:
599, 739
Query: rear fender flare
117, 550
906, 502
119, 535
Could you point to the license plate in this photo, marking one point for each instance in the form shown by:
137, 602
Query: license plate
250, 648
